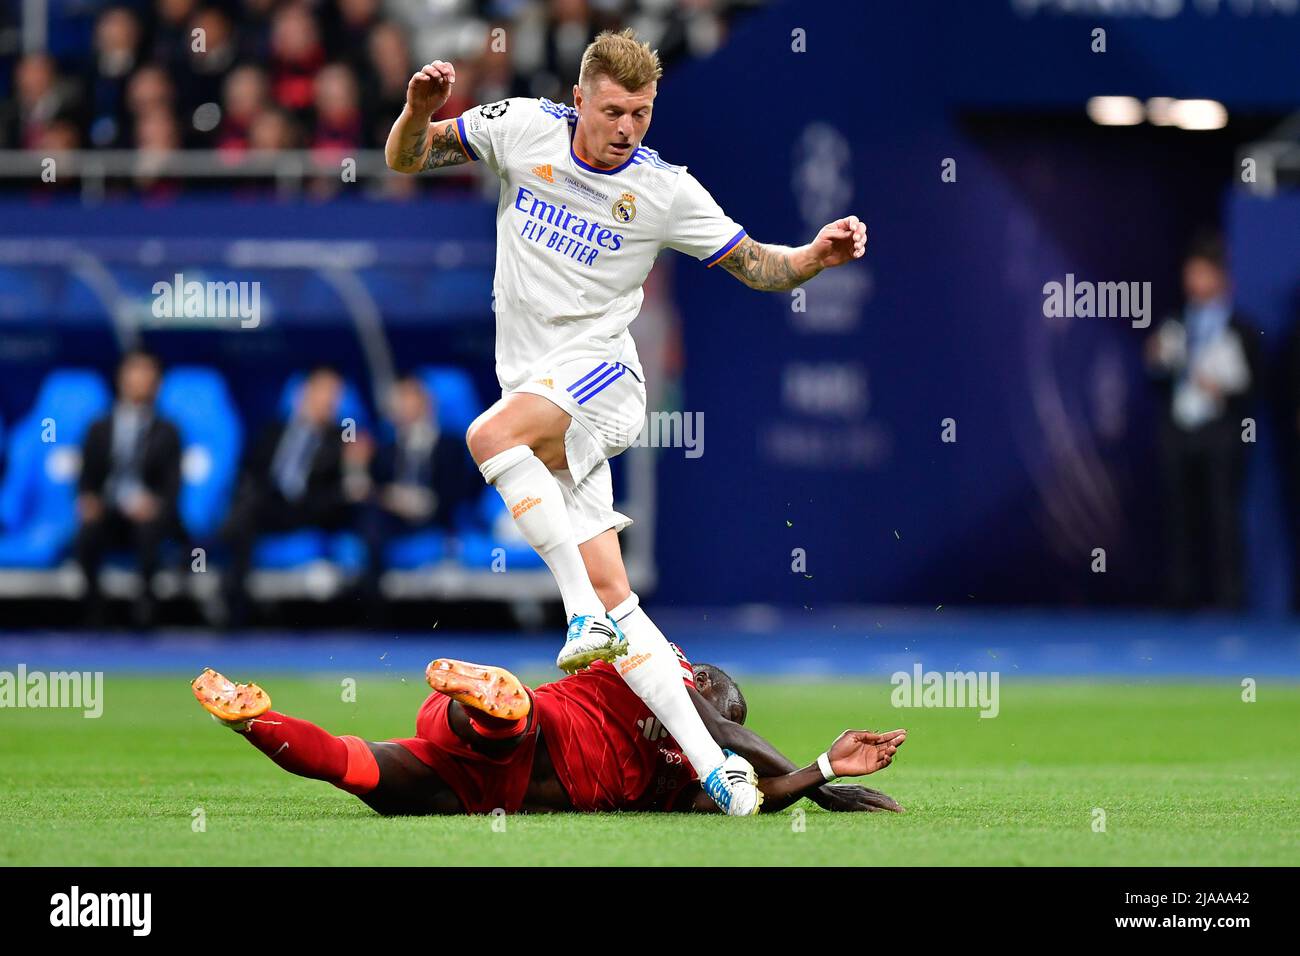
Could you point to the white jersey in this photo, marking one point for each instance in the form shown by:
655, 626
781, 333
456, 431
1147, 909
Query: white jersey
574, 242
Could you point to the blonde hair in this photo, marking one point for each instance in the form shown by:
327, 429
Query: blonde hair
621, 57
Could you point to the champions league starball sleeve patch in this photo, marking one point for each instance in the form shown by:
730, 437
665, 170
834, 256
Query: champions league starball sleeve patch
489, 133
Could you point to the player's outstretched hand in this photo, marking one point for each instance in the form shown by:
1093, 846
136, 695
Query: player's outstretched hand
856, 753
430, 88
840, 241
852, 798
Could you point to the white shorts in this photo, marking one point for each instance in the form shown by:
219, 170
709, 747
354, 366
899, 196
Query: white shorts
606, 402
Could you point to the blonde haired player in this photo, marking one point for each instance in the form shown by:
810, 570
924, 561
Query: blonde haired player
584, 210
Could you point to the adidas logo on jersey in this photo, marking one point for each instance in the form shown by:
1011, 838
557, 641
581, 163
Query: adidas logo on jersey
544, 172
651, 729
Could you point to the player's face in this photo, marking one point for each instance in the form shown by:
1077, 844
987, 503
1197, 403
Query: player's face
614, 120
1203, 280
410, 404
320, 398
718, 695
138, 380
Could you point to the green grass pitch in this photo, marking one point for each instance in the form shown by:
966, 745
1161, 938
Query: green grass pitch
1185, 774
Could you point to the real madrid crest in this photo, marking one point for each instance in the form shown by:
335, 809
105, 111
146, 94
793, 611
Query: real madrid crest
624, 210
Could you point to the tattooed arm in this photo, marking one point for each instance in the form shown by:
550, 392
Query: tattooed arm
777, 268
769, 268
414, 144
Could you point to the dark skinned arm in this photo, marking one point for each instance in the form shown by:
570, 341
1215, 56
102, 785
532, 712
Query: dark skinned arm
770, 762
778, 792
854, 753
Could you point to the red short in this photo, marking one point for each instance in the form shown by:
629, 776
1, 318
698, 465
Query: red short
609, 751
482, 783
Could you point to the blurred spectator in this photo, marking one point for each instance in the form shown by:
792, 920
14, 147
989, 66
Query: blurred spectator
60, 135
254, 18
117, 54
201, 80
296, 57
198, 46
41, 98
149, 90
157, 137
273, 129
570, 32
349, 31
389, 70
172, 37
1206, 359
419, 478
130, 481
156, 132
338, 111
293, 477
244, 98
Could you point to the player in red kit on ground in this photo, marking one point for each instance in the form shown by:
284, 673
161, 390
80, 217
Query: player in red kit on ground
586, 743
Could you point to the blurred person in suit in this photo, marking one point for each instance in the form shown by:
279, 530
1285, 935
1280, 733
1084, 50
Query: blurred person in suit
1206, 361
293, 477
129, 485
418, 480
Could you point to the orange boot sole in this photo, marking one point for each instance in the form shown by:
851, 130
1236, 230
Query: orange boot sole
228, 701
493, 690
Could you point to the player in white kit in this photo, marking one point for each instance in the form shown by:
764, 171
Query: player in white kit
584, 210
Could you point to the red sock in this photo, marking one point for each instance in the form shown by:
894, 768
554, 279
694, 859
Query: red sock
302, 748
499, 728
495, 728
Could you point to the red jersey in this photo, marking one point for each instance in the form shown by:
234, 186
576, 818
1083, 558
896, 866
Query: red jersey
609, 751
482, 783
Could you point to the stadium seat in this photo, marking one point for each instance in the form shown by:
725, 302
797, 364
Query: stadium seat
458, 401
418, 549
38, 494
197, 401
348, 551
487, 528
292, 549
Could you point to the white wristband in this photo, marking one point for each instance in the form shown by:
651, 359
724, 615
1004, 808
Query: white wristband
824, 765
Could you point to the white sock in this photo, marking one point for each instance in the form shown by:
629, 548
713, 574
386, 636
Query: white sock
657, 680
533, 496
